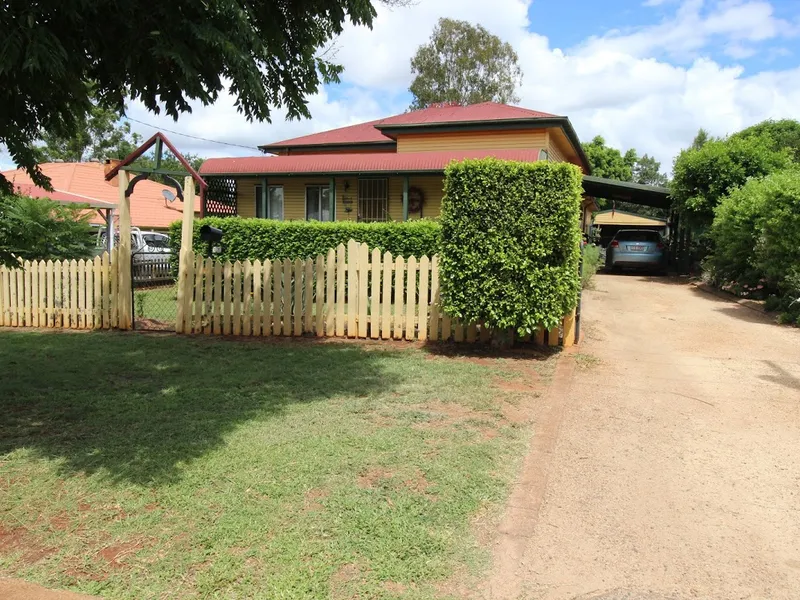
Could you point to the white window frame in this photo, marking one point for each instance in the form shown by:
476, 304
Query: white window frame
264, 203
544, 154
321, 186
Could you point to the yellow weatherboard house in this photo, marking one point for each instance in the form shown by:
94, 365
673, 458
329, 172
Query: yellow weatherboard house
391, 169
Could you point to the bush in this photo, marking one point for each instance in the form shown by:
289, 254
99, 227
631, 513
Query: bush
756, 232
591, 263
261, 238
41, 229
510, 242
702, 177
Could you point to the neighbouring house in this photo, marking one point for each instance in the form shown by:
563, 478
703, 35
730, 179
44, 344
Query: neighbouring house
86, 180
391, 169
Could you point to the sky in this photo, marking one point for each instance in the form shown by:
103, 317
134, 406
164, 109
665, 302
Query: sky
644, 74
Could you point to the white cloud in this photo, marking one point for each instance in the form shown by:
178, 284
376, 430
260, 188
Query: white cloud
650, 88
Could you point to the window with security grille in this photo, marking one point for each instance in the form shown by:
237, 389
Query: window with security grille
373, 200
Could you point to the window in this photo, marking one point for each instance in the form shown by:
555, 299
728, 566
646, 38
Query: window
318, 203
544, 154
373, 200
274, 202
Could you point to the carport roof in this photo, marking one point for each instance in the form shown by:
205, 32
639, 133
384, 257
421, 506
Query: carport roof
636, 193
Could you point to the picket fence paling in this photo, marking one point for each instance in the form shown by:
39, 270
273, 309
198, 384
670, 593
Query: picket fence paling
351, 292
74, 294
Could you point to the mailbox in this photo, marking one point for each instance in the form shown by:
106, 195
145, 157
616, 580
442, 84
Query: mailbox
210, 234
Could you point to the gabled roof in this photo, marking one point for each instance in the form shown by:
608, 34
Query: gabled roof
370, 132
337, 164
148, 207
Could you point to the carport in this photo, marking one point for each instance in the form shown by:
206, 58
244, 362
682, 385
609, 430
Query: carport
608, 222
645, 195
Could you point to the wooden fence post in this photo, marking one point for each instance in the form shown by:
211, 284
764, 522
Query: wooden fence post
186, 255
122, 268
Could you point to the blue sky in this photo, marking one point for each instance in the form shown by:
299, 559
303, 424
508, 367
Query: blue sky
645, 74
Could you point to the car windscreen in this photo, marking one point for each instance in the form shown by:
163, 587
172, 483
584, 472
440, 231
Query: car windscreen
638, 236
156, 241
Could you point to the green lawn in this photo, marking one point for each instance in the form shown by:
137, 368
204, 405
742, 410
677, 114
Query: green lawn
152, 466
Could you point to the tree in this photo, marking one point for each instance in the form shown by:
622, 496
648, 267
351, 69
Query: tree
608, 162
41, 229
700, 139
647, 171
702, 177
784, 134
464, 64
100, 136
57, 55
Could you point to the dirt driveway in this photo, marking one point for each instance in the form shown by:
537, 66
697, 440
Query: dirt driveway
669, 464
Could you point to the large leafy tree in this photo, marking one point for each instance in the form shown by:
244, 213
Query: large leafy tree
464, 64
609, 162
702, 177
647, 171
164, 54
784, 134
100, 136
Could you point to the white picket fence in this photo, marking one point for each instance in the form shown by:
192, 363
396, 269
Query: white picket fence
352, 292
73, 294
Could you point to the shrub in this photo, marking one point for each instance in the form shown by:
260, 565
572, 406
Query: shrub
591, 263
756, 232
733, 232
261, 238
41, 229
510, 242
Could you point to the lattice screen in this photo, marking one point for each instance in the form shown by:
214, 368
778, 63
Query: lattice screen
220, 199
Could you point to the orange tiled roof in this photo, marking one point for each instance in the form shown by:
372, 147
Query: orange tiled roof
148, 207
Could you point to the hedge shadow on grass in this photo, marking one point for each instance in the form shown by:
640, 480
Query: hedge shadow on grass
140, 406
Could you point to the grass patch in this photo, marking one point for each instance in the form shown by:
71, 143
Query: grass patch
136, 466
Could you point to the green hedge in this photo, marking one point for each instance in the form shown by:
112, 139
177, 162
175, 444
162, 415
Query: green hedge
511, 242
262, 238
756, 234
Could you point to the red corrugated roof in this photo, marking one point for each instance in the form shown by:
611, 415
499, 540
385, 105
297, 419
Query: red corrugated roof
148, 208
28, 189
366, 133
405, 162
485, 111
363, 133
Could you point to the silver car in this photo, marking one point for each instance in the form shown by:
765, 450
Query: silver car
637, 249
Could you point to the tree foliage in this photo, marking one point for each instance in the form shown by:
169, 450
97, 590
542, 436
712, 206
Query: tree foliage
609, 162
464, 64
702, 177
785, 134
40, 229
164, 54
510, 242
700, 139
99, 136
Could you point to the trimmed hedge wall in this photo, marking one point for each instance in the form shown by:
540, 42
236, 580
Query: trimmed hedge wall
263, 238
510, 242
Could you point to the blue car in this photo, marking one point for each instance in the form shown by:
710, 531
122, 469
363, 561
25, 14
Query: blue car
637, 249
